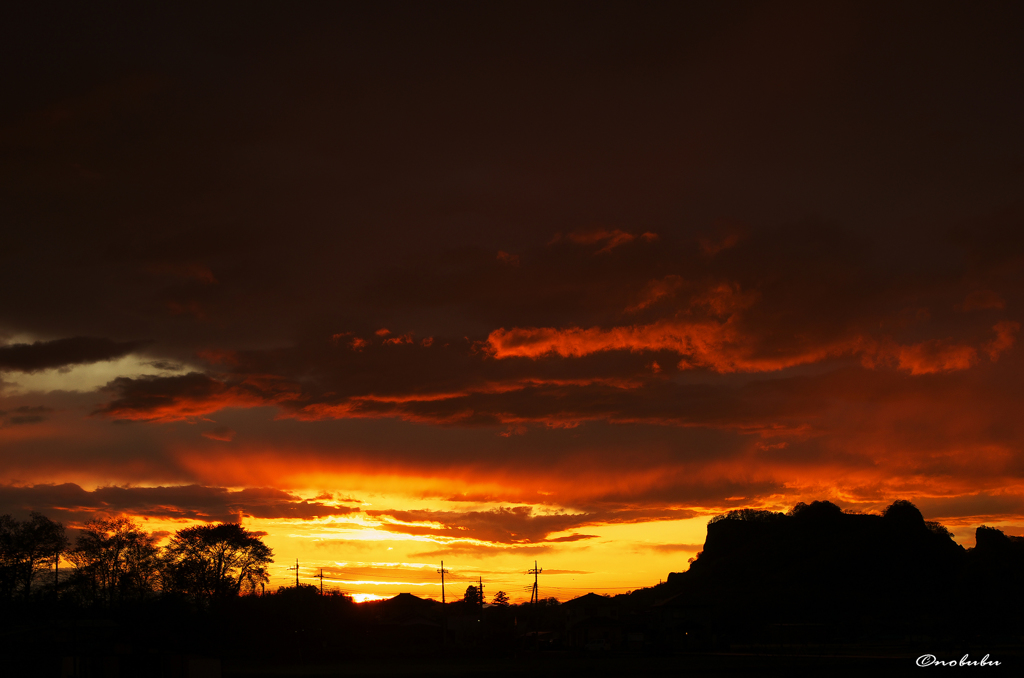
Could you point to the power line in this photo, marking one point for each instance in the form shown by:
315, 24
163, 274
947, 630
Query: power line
595, 588
349, 575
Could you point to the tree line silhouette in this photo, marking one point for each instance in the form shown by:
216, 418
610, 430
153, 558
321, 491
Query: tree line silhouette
115, 560
813, 580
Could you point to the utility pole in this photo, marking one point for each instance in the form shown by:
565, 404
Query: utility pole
296, 568
444, 608
481, 592
321, 578
535, 594
442, 572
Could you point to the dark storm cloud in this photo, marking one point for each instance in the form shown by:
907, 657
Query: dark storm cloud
725, 252
45, 355
454, 386
68, 501
781, 298
165, 366
516, 525
670, 120
175, 397
513, 525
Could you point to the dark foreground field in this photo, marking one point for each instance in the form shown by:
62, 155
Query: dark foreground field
546, 664
815, 591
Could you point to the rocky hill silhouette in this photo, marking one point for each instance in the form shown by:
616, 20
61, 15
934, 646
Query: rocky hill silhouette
893, 575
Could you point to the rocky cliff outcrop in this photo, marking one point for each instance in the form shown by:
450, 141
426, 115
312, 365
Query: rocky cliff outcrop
817, 564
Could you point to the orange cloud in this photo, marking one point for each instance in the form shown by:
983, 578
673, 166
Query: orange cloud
189, 396
221, 433
934, 356
399, 340
717, 345
656, 290
416, 406
723, 347
937, 355
609, 239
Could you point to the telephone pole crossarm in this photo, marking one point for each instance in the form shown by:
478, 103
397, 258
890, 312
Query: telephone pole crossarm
442, 572
535, 593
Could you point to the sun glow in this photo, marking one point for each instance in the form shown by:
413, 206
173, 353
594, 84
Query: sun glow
368, 597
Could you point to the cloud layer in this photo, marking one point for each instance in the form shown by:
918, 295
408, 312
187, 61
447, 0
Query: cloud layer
617, 268
44, 355
70, 502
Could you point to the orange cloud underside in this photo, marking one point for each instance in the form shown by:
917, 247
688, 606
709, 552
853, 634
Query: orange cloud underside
718, 346
723, 347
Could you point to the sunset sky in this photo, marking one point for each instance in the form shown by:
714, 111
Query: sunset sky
497, 283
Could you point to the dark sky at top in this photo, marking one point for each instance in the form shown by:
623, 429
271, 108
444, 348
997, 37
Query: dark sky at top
319, 159
744, 252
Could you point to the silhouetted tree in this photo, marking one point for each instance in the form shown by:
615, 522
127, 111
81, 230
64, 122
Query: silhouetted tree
750, 515
27, 548
209, 561
116, 559
472, 595
938, 528
8, 556
500, 599
903, 512
815, 511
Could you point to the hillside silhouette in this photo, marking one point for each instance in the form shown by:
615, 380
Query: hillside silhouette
818, 573
769, 593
